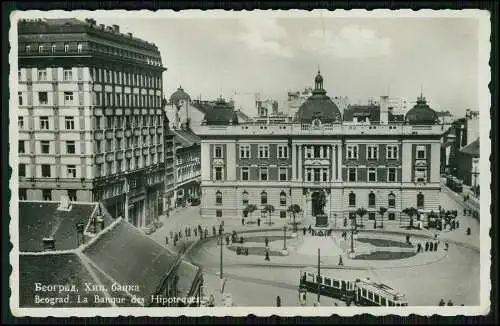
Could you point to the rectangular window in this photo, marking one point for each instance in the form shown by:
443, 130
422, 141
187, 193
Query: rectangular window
392, 152
43, 98
218, 173
72, 194
372, 174
263, 151
317, 175
40, 48
218, 213
392, 216
53, 48
324, 173
20, 97
282, 151
420, 175
352, 174
98, 146
44, 123
68, 74
218, 152
283, 174
42, 74
70, 147
371, 216
391, 202
68, 97
47, 194
118, 166
282, 214
244, 151
22, 170
309, 174
69, 123
71, 171
20, 147
28, 48
391, 175
245, 174
421, 152
372, 152
66, 48
45, 146
20, 122
263, 174
352, 152
309, 152
46, 170
23, 194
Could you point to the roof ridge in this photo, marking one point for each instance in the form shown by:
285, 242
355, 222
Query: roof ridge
100, 234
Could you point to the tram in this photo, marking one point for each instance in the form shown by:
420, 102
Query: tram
454, 184
362, 292
329, 286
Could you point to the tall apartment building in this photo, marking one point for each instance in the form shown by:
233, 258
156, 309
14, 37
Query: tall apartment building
381, 162
90, 117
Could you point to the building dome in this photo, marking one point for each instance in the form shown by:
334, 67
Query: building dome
179, 95
421, 113
318, 107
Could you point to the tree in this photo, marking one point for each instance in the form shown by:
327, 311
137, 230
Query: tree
294, 209
250, 209
410, 211
361, 212
382, 211
269, 209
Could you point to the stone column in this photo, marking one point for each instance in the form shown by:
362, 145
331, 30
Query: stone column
294, 164
300, 163
339, 162
333, 172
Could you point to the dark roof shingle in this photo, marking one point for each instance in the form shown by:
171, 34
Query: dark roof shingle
471, 149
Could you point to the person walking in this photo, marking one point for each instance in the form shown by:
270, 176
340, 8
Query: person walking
427, 246
278, 301
267, 256
258, 221
243, 221
304, 230
166, 240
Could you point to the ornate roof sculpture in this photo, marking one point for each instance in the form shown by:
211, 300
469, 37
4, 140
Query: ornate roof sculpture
318, 107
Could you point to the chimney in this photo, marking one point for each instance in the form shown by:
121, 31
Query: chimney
384, 109
129, 35
116, 29
48, 244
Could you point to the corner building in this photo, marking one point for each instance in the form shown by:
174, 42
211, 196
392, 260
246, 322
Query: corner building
373, 164
90, 117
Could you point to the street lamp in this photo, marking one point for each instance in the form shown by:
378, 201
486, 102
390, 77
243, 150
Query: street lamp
284, 237
221, 245
352, 238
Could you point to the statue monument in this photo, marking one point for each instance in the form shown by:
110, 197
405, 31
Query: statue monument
321, 217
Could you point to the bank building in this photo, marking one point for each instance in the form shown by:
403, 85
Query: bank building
364, 157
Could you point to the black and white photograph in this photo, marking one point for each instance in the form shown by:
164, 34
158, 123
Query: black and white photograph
254, 162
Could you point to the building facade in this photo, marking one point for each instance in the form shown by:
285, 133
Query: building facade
378, 164
90, 119
187, 166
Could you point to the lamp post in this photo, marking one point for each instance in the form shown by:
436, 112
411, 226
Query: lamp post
352, 238
284, 237
221, 245
319, 274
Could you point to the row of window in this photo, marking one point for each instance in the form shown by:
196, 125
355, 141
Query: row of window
99, 99
372, 203
125, 78
111, 145
47, 194
111, 122
110, 168
70, 47
352, 174
320, 151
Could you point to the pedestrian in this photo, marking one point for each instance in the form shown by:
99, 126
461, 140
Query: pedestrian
266, 241
278, 301
180, 234
310, 228
345, 222
446, 246
427, 246
195, 232
435, 246
227, 239
457, 224
238, 251
246, 251
304, 230
419, 247
441, 302
241, 239
166, 240
267, 256
214, 231
465, 211
468, 231
341, 262
243, 221
206, 233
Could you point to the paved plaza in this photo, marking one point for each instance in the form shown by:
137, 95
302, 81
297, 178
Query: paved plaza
425, 277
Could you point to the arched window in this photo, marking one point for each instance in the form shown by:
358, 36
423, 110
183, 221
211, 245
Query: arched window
420, 200
218, 198
371, 199
244, 196
263, 197
391, 202
352, 199
282, 198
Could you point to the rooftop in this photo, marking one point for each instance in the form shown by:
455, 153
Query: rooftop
186, 138
472, 149
38, 220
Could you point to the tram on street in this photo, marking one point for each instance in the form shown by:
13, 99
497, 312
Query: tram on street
329, 286
362, 292
454, 184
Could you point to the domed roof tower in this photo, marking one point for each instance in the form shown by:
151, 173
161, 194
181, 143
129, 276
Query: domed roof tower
421, 113
179, 95
318, 107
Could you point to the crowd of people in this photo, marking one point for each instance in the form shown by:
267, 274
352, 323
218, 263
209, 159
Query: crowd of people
194, 231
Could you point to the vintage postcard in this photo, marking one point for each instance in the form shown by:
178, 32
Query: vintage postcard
266, 162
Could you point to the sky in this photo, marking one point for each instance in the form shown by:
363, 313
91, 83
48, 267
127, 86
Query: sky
358, 57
